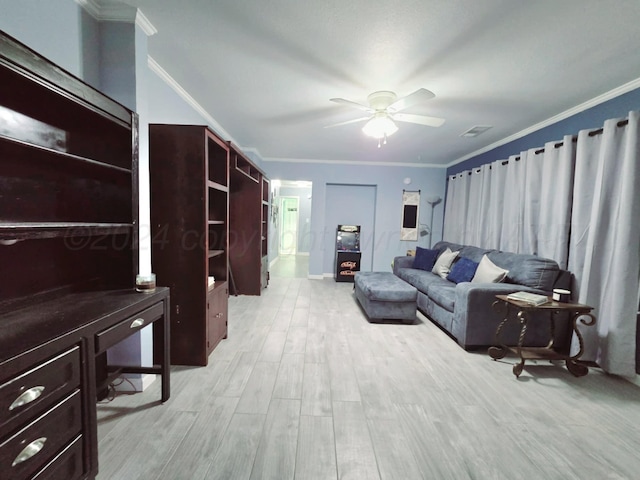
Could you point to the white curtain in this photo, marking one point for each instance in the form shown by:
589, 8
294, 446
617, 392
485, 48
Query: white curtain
513, 207
531, 199
456, 208
520, 205
492, 215
605, 253
577, 203
556, 190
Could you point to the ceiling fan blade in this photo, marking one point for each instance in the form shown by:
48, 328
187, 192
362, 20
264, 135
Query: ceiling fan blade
361, 119
419, 96
349, 103
420, 119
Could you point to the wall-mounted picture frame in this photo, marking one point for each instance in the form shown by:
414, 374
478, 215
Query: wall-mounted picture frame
410, 215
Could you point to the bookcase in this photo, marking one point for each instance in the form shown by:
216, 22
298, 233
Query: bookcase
264, 244
69, 254
189, 183
248, 224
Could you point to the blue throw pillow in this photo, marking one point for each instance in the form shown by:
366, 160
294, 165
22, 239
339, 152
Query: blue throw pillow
425, 258
462, 271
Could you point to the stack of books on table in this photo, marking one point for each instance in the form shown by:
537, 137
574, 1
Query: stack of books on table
529, 298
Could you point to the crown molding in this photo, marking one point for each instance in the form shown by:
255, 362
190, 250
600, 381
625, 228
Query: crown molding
91, 6
352, 162
113, 11
169, 80
616, 92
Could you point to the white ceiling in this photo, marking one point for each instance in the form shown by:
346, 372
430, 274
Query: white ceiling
266, 69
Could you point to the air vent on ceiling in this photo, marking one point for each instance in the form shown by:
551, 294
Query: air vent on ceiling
475, 131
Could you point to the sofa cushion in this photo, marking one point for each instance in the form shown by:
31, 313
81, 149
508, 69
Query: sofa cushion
489, 272
529, 270
443, 293
473, 253
384, 287
462, 271
425, 259
443, 263
419, 278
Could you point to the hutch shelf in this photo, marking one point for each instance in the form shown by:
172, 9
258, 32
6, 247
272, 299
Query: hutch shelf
68, 250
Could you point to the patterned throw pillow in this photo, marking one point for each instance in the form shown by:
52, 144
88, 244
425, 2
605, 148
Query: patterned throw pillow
462, 271
425, 258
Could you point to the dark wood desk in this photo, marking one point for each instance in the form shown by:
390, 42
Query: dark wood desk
49, 375
548, 352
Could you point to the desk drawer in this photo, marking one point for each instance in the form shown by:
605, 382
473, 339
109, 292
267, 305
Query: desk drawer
112, 335
31, 448
32, 392
66, 465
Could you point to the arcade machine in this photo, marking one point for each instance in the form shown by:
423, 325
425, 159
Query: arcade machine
347, 252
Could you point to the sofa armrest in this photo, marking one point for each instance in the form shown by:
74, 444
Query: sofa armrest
402, 262
474, 319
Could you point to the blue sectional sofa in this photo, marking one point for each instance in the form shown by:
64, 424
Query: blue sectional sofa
464, 309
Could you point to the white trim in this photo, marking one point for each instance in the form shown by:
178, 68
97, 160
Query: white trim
107, 11
143, 22
303, 254
616, 92
274, 261
353, 162
253, 150
117, 12
316, 277
139, 382
169, 80
91, 6
635, 380
281, 202
147, 380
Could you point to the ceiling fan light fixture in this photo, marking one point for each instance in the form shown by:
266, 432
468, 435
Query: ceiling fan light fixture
380, 126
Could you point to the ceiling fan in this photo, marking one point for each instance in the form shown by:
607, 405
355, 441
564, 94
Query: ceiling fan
384, 110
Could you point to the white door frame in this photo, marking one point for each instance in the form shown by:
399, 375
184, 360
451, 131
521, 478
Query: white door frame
294, 249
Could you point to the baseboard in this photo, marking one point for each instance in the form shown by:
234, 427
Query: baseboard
635, 380
273, 262
315, 277
134, 382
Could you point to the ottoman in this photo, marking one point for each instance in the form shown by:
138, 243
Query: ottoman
385, 296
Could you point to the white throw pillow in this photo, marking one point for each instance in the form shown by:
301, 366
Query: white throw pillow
489, 272
443, 263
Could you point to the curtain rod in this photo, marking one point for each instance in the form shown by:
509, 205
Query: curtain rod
574, 139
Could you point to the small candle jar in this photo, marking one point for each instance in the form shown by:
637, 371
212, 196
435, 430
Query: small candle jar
561, 295
146, 283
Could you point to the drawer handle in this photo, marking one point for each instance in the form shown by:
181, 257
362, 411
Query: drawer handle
27, 397
29, 451
138, 322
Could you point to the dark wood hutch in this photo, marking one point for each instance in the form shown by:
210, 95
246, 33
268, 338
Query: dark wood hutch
68, 254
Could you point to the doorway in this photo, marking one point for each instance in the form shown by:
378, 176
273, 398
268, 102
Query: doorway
289, 207
347, 204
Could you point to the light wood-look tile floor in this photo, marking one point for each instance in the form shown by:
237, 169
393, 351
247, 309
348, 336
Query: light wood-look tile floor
305, 388
290, 266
